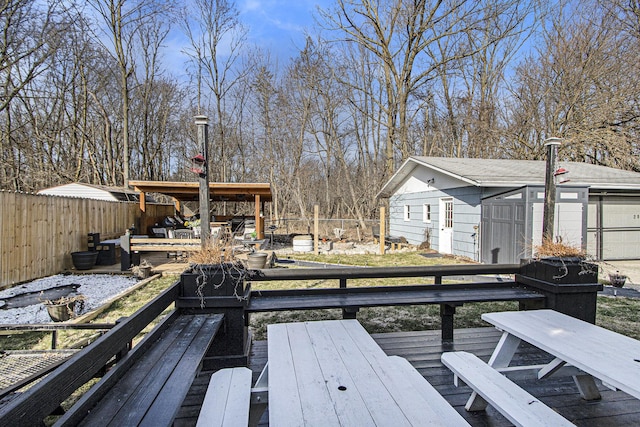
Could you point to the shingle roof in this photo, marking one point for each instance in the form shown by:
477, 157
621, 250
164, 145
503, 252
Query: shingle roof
513, 173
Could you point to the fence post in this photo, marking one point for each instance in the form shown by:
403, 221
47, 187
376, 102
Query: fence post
382, 229
316, 213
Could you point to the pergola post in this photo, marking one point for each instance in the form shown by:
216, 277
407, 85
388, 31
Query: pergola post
258, 219
202, 122
549, 212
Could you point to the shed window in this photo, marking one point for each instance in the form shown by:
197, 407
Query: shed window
407, 212
426, 212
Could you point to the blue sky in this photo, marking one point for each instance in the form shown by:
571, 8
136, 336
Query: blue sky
275, 25
279, 25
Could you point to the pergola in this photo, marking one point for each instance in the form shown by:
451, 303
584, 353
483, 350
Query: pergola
259, 193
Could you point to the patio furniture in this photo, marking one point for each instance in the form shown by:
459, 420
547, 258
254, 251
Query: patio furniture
333, 373
592, 351
132, 245
518, 406
227, 400
149, 383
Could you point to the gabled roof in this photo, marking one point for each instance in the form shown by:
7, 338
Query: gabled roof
92, 191
513, 173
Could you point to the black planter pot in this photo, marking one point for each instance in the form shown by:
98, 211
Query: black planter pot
214, 280
84, 260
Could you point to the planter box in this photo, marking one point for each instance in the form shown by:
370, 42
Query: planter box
215, 280
570, 271
570, 285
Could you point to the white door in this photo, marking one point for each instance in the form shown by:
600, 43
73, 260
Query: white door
445, 240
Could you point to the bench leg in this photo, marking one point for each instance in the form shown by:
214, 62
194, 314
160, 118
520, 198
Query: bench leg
259, 397
475, 403
500, 358
587, 387
350, 312
446, 315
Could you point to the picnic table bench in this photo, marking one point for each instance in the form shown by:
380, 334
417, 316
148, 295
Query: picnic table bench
330, 373
227, 400
148, 385
491, 387
580, 349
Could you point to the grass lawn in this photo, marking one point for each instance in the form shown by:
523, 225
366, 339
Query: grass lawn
618, 314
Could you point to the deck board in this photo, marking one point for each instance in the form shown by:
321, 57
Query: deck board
423, 350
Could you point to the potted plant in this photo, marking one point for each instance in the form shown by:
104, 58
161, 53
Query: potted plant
563, 274
616, 279
64, 308
214, 272
557, 262
142, 271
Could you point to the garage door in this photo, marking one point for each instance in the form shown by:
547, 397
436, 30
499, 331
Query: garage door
613, 227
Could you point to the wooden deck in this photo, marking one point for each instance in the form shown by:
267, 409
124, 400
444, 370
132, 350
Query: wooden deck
423, 350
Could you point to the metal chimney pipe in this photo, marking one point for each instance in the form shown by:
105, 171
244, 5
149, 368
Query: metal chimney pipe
548, 216
202, 122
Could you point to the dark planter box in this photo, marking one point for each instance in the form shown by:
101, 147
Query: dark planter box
570, 285
215, 280
219, 288
571, 271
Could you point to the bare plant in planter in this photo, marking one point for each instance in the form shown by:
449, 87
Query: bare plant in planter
565, 255
142, 271
214, 271
64, 308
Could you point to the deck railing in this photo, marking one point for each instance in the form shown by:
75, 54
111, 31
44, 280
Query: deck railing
31, 407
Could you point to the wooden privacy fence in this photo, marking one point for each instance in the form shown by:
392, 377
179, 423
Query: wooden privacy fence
38, 232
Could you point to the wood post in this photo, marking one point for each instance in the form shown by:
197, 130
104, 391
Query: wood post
383, 231
202, 123
316, 213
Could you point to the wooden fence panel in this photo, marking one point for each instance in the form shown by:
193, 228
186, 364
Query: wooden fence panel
39, 232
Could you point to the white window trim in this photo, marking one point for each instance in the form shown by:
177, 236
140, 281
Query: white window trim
426, 213
407, 212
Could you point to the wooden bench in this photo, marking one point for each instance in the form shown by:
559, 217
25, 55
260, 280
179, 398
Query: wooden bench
351, 299
438, 404
151, 390
130, 245
227, 400
517, 405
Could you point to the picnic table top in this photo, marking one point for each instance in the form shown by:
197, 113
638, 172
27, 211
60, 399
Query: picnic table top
613, 358
333, 373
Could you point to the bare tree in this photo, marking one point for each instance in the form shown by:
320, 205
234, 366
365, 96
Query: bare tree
582, 86
27, 40
217, 38
402, 36
122, 20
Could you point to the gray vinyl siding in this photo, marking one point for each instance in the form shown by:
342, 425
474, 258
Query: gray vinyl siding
466, 215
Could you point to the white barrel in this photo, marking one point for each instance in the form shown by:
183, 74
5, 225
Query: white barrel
303, 243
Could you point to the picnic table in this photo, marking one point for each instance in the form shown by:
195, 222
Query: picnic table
595, 352
327, 373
